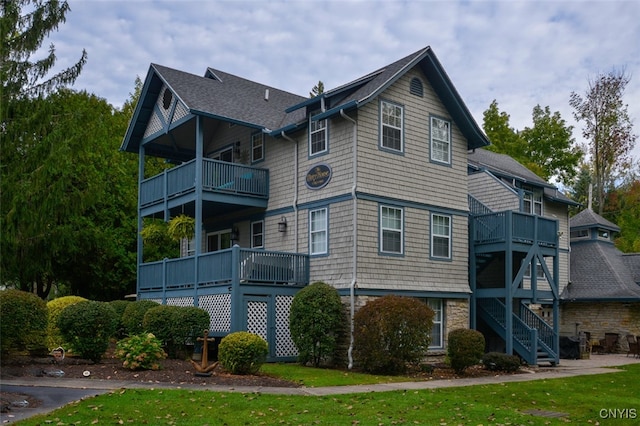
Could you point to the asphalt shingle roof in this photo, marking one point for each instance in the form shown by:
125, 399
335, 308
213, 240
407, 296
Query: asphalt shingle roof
589, 218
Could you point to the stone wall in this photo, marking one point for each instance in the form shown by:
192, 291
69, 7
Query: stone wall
600, 318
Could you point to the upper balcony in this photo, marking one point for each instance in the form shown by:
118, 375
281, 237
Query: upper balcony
222, 182
493, 230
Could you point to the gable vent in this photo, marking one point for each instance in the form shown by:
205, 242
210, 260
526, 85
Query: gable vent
415, 87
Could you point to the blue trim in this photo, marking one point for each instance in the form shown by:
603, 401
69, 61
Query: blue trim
225, 119
278, 212
326, 254
402, 231
360, 291
381, 147
277, 133
411, 204
336, 110
325, 202
310, 101
431, 159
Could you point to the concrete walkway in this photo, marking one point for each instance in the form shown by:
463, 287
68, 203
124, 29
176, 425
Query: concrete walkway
67, 390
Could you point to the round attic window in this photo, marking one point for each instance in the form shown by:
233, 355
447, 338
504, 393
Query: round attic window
166, 99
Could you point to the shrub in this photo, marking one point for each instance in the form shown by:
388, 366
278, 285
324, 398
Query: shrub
161, 322
242, 352
134, 315
191, 322
465, 348
119, 306
140, 352
496, 361
315, 319
391, 332
23, 322
55, 307
88, 326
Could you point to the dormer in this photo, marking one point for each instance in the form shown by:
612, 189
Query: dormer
589, 226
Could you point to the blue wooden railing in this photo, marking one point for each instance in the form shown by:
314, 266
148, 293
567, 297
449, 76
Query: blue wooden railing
514, 226
253, 267
217, 176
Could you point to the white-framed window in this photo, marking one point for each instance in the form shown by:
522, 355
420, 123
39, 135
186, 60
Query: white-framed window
539, 271
391, 230
257, 147
219, 240
225, 154
440, 236
317, 135
440, 140
318, 231
532, 202
257, 234
438, 323
391, 126
190, 246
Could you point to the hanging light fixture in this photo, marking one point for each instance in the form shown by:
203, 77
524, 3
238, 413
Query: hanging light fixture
282, 225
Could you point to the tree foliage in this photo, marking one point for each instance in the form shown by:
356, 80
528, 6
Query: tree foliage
318, 89
622, 207
24, 24
607, 128
547, 148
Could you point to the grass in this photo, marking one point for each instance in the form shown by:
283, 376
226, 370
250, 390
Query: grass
581, 398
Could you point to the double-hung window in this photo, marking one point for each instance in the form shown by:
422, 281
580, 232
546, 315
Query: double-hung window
539, 271
391, 229
257, 147
440, 140
318, 231
391, 126
436, 330
257, 234
317, 135
440, 236
532, 202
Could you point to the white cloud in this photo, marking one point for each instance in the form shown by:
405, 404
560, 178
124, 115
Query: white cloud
521, 53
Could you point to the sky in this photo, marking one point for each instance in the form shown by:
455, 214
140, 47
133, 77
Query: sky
520, 53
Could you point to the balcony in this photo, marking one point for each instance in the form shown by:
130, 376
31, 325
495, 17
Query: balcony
221, 181
513, 227
225, 268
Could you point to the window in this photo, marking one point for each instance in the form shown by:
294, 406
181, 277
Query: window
539, 271
223, 155
440, 140
391, 230
318, 231
603, 234
391, 119
190, 246
219, 240
257, 234
257, 147
436, 331
317, 135
440, 236
532, 202
580, 233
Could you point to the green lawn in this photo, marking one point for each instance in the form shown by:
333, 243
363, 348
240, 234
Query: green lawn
584, 400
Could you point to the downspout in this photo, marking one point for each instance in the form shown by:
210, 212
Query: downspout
295, 191
354, 280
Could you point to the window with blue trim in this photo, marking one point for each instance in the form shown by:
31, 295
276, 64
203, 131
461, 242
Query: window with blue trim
318, 231
317, 135
440, 236
391, 126
257, 234
257, 147
391, 229
440, 140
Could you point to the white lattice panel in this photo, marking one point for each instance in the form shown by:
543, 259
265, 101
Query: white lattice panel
180, 112
180, 301
284, 344
158, 301
219, 308
154, 126
161, 106
257, 318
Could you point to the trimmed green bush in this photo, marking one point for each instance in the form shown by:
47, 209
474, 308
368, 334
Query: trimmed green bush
242, 352
119, 306
465, 348
191, 322
23, 322
315, 319
497, 361
391, 333
134, 315
140, 352
55, 307
161, 322
88, 327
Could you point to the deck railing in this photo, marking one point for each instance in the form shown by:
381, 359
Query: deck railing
519, 227
217, 176
225, 267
